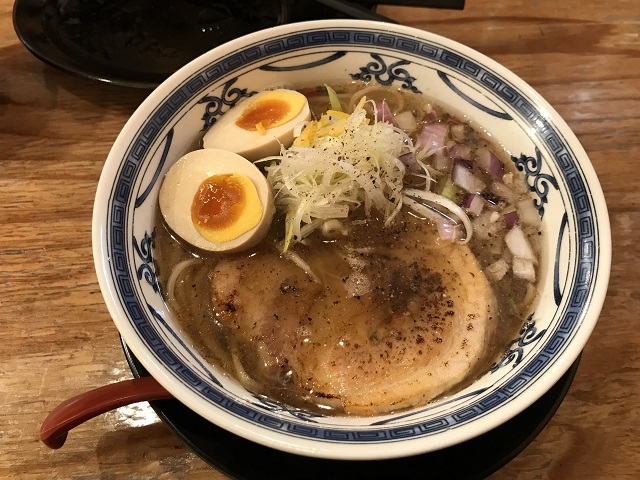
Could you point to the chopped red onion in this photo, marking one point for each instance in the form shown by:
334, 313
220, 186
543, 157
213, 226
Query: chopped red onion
447, 231
465, 163
473, 203
511, 219
518, 244
433, 136
460, 151
383, 114
441, 162
430, 117
409, 161
464, 178
490, 162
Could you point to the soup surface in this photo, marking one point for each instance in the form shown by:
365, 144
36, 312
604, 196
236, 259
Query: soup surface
376, 311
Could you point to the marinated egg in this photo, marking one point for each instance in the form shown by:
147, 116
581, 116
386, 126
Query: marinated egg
256, 127
217, 200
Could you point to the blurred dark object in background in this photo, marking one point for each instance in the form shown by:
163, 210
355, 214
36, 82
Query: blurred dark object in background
139, 43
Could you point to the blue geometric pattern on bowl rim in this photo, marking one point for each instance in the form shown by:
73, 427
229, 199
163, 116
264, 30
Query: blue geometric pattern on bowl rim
580, 281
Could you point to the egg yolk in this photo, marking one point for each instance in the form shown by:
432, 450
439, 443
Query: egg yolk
225, 206
270, 110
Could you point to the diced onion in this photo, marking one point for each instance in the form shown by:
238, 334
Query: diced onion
498, 269
440, 162
409, 160
518, 244
511, 218
446, 231
524, 268
473, 203
460, 151
430, 117
432, 137
490, 162
507, 178
483, 226
528, 212
464, 178
406, 121
383, 114
465, 163
457, 132
503, 191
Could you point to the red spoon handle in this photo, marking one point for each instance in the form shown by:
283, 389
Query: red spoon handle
79, 409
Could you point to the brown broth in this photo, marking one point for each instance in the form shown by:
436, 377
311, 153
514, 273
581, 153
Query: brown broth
198, 317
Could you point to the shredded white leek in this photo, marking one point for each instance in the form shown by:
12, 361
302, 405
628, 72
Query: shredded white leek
333, 98
246, 381
175, 273
335, 165
392, 97
297, 259
437, 214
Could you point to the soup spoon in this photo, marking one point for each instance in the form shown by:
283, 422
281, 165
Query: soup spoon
74, 411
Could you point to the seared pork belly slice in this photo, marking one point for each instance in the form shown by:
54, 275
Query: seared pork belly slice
423, 330
265, 300
416, 324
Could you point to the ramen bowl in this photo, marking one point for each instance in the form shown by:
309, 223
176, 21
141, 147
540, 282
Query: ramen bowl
576, 247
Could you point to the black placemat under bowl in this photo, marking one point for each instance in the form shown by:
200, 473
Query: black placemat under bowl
243, 459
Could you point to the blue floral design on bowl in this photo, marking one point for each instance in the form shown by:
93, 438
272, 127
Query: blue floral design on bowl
573, 276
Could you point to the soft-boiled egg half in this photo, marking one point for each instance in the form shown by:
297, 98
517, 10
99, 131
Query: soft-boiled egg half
217, 201
257, 126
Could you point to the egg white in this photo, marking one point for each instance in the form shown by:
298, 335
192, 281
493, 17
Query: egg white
182, 182
251, 144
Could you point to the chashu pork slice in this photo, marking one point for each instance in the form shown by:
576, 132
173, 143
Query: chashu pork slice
398, 320
265, 300
424, 328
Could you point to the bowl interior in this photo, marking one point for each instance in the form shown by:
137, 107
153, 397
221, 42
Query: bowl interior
575, 253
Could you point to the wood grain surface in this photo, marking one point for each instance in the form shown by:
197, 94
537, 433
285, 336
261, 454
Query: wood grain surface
56, 336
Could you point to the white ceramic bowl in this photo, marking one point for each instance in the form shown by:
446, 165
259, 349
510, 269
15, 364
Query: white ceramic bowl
576, 255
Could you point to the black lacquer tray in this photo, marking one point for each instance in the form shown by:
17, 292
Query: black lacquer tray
139, 43
243, 459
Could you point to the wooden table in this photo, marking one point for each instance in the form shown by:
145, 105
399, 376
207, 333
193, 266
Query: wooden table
56, 337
